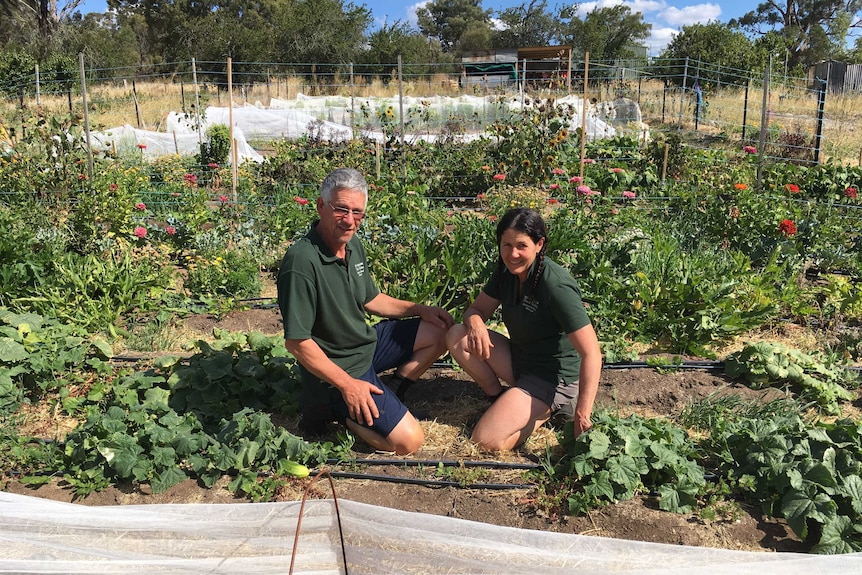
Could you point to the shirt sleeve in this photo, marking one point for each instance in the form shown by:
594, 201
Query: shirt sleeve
565, 300
297, 300
492, 288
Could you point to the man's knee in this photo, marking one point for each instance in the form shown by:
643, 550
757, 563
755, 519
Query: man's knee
407, 437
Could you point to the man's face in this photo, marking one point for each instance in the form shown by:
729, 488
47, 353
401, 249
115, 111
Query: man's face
340, 217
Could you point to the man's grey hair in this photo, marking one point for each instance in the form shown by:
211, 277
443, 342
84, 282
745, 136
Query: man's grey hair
343, 179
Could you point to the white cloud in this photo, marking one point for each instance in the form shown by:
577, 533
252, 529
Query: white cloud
411, 12
699, 13
658, 39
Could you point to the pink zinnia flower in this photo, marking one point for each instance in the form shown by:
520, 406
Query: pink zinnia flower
492, 218
141, 206
113, 187
224, 199
584, 190
140, 232
480, 196
554, 186
301, 201
191, 179
212, 165
850, 193
499, 177
589, 161
575, 180
175, 194
171, 230
629, 195
749, 149
617, 170
558, 171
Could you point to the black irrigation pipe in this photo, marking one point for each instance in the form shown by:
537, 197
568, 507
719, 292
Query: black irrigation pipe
425, 482
435, 463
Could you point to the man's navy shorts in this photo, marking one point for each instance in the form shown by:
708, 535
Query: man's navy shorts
395, 341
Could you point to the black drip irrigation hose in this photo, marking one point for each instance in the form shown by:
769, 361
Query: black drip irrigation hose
435, 463
425, 482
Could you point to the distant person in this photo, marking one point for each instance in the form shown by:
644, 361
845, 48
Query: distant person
551, 362
324, 291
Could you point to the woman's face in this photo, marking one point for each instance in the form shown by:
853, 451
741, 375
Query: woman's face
519, 251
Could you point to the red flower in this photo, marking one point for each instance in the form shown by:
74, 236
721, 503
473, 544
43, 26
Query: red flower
792, 188
553, 201
212, 165
113, 187
141, 206
223, 199
480, 196
749, 149
575, 180
617, 170
787, 228
171, 230
143, 147
499, 177
554, 186
300, 201
558, 171
190, 179
850, 193
140, 232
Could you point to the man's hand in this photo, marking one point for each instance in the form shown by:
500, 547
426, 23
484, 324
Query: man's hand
436, 316
360, 403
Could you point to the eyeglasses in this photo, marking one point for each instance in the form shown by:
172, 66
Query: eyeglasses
341, 212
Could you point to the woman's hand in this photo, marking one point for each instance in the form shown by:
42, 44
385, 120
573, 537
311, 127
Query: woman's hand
478, 341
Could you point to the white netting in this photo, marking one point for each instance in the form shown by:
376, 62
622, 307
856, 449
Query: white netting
43, 536
329, 118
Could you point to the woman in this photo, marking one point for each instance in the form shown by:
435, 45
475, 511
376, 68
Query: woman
552, 358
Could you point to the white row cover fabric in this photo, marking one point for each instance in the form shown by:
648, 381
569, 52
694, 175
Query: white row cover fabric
43, 536
130, 140
328, 118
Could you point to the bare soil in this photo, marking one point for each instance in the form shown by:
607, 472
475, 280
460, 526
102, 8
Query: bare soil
454, 404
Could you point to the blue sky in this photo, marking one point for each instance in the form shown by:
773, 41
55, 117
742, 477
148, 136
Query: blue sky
666, 16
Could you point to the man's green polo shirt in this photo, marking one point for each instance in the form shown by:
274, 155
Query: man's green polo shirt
323, 297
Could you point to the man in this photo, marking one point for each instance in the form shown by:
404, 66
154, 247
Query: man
324, 291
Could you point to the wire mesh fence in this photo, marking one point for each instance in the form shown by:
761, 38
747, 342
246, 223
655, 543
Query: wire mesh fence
782, 118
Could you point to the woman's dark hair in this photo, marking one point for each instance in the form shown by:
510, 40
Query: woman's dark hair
531, 223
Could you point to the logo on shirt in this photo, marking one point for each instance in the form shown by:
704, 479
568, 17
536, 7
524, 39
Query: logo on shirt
530, 304
360, 268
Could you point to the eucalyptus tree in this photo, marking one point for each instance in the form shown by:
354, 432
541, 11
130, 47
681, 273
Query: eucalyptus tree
528, 24
813, 29
399, 39
33, 24
457, 24
607, 33
716, 52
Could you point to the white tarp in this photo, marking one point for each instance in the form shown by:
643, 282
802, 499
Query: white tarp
43, 536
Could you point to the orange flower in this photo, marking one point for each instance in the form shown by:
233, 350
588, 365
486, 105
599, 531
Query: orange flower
792, 188
740, 186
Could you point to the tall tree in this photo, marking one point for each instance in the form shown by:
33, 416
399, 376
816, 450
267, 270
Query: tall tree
812, 28
34, 23
607, 33
398, 39
455, 23
717, 53
530, 24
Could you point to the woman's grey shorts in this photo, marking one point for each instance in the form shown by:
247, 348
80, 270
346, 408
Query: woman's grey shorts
562, 397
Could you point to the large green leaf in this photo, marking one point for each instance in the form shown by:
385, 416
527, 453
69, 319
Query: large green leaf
12, 351
839, 536
167, 478
623, 470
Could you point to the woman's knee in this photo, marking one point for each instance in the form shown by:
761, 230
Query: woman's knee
455, 336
